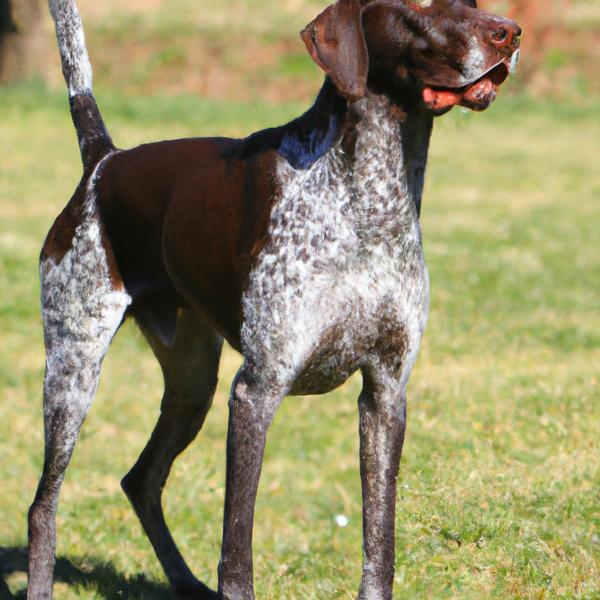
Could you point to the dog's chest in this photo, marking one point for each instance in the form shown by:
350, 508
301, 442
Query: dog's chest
342, 279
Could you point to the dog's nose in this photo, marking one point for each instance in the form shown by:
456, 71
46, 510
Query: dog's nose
505, 36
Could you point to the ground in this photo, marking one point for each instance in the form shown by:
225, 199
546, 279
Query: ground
500, 480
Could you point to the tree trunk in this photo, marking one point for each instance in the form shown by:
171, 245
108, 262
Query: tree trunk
20, 29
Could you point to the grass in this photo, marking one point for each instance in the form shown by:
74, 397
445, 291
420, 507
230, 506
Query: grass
500, 484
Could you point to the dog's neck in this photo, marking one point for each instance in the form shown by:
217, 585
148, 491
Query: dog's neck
361, 195
389, 141
381, 141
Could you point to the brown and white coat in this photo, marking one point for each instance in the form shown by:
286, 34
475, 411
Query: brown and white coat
300, 245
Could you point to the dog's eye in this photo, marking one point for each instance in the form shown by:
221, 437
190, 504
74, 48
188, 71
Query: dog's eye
500, 34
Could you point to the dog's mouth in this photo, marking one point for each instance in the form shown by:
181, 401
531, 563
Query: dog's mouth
477, 95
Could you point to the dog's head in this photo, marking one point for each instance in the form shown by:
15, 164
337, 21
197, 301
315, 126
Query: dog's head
443, 52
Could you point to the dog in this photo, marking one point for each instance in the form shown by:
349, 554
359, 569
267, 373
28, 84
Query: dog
300, 245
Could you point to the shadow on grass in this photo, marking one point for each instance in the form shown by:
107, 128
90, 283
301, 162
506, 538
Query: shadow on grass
100, 577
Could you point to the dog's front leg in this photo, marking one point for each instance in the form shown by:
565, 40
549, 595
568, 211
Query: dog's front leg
252, 406
382, 406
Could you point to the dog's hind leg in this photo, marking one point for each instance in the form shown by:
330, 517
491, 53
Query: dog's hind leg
190, 372
83, 304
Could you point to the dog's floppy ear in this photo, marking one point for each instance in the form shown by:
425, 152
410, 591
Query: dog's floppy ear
336, 42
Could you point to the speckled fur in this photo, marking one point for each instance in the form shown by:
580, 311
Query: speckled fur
342, 284
71, 43
82, 309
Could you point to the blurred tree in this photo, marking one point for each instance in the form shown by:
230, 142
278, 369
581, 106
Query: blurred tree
20, 27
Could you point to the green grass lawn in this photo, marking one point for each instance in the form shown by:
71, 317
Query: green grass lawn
500, 483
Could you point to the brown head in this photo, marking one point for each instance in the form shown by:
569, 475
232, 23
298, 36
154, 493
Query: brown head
441, 53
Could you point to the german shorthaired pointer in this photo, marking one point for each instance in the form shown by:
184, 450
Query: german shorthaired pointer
300, 245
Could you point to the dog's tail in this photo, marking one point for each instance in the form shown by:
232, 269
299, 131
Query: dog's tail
94, 139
